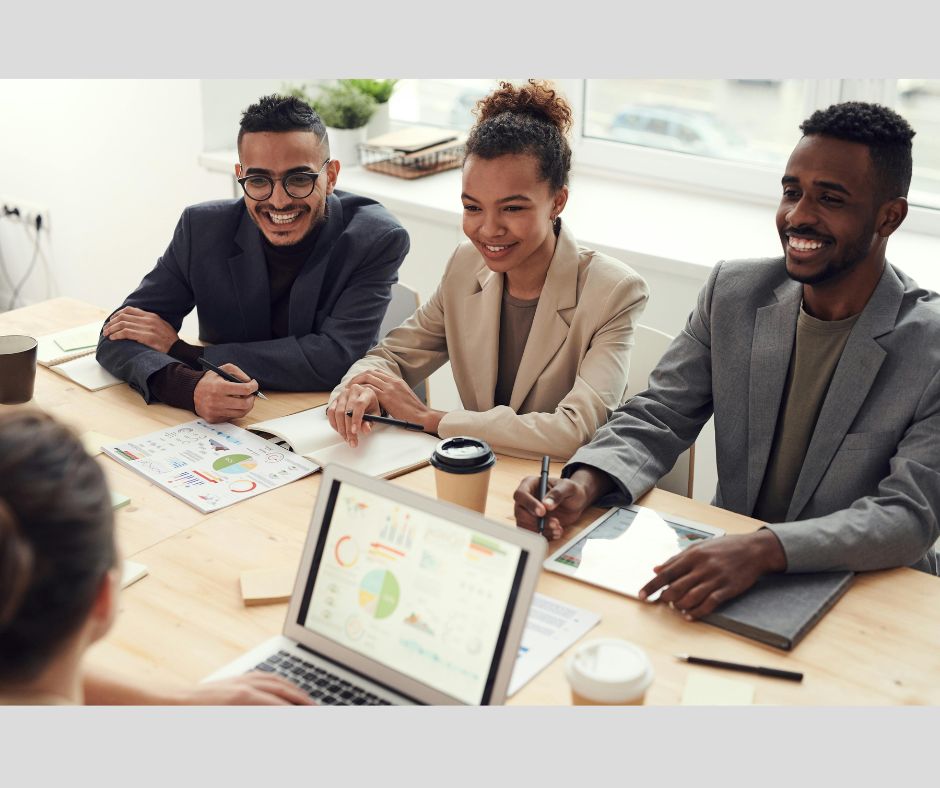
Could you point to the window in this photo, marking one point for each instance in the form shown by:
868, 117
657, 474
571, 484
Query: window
726, 136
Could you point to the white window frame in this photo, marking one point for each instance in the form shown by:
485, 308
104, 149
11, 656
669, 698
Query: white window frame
737, 180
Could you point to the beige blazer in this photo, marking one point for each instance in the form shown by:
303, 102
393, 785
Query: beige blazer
573, 372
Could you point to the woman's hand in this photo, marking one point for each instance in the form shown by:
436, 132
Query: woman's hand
373, 392
357, 400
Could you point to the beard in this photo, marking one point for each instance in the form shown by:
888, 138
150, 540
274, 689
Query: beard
834, 270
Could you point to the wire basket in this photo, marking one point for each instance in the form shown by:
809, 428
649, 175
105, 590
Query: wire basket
416, 164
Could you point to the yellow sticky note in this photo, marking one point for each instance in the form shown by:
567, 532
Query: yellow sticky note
93, 441
705, 689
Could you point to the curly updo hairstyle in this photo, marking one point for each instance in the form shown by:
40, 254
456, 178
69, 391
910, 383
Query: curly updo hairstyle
56, 541
531, 118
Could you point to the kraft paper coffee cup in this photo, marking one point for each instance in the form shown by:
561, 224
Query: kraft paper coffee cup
462, 471
17, 369
608, 672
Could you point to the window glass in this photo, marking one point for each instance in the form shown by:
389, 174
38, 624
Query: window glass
733, 119
438, 102
919, 102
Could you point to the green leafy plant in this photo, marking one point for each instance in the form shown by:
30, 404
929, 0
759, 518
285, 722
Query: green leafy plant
339, 106
379, 89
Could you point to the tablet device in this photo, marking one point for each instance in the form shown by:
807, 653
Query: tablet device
619, 550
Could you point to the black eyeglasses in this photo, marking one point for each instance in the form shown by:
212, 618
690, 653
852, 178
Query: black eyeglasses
297, 184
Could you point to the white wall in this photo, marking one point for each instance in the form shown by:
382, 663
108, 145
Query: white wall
114, 162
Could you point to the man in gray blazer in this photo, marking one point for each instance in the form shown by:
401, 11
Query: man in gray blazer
822, 369
290, 282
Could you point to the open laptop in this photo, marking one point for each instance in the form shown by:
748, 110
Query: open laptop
402, 599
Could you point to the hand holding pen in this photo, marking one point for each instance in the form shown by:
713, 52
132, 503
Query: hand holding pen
217, 399
207, 365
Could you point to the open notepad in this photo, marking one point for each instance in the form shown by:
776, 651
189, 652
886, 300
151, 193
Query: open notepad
386, 451
71, 353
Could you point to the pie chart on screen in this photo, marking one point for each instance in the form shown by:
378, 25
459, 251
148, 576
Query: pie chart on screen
378, 593
235, 464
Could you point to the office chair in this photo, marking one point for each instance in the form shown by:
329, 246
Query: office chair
649, 346
402, 306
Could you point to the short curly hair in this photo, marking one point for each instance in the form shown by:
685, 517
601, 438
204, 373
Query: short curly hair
280, 113
887, 135
532, 118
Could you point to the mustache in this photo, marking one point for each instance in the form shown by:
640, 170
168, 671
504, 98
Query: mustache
267, 206
805, 232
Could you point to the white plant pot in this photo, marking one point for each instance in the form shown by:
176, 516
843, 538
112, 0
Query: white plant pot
380, 123
344, 144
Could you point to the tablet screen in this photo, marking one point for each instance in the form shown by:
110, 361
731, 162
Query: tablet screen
615, 524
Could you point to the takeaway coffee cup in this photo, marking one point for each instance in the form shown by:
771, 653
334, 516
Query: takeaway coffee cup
462, 471
17, 369
608, 672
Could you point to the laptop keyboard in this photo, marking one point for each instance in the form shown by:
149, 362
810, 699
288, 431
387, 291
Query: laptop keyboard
323, 686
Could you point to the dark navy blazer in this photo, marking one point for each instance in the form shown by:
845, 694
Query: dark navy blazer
216, 264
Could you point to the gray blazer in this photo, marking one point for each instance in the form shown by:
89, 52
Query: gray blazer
868, 495
216, 263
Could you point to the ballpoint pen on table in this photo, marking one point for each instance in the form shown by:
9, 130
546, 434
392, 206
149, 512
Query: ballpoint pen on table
226, 375
715, 663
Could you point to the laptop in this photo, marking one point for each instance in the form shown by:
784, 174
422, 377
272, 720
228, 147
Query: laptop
401, 599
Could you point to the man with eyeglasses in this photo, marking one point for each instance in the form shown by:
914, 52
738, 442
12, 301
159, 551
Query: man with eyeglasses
290, 282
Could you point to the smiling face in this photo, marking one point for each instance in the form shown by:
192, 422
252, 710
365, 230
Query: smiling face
286, 220
508, 213
829, 220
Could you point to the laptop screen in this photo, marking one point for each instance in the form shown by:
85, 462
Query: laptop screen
422, 595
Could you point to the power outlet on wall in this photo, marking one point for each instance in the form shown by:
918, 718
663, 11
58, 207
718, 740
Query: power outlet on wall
24, 211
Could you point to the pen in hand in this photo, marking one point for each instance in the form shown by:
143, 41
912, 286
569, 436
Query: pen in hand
226, 375
408, 425
543, 487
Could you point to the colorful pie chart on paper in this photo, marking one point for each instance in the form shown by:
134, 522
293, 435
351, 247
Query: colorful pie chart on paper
378, 593
235, 463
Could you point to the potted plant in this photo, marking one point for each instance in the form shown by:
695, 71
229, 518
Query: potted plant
381, 91
345, 112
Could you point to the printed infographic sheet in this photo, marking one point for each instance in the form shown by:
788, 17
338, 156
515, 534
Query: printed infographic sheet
210, 466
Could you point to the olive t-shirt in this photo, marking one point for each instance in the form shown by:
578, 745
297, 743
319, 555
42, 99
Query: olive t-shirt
515, 322
816, 353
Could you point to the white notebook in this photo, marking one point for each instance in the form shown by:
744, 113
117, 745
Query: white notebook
65, 345
87, 372
387, 451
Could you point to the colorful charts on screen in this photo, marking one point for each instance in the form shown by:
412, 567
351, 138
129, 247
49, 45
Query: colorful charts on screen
378, 593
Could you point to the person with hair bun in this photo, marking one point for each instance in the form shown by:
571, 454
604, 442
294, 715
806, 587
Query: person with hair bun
60, 576
537, 329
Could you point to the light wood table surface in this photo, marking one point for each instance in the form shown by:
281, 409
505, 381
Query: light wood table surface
879, 645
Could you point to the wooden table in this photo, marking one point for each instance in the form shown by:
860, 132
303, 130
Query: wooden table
879, 645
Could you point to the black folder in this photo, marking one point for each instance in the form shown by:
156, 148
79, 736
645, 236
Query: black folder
780, 609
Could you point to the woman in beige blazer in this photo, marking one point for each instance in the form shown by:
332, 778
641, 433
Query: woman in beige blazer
537, 329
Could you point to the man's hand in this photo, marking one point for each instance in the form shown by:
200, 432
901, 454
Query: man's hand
145, 327
251, 689
563, 505
216, 399
705, 575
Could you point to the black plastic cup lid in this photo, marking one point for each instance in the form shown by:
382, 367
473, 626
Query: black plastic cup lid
463, 455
